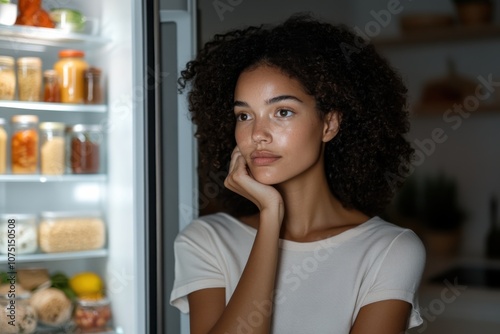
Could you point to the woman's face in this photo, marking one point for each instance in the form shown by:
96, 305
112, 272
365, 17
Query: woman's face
278, 129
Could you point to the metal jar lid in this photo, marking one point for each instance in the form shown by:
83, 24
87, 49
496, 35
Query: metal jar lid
85, 128
24, 119
6, 60
2, 121
29, 61
52, 126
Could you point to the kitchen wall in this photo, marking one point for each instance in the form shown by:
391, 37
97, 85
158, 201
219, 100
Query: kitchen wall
470, 153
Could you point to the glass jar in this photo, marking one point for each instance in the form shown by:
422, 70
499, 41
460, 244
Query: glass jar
93, 315
52, 148
17, 315
29, 78
92, 86
51, 88
24, 150
7, 78
18, 233
70, 68
71, 231
3, 147
85, 142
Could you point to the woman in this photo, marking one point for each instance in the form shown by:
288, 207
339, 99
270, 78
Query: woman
308, 124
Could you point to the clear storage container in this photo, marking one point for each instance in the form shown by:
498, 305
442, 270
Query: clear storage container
17, 315
68, 232
93, 315
3, 147
29, 78
18, 234
24, 150
7, 78
52, 148
85, 143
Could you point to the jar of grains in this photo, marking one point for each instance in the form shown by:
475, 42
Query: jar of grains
85, 142
24, 144
16, 313
7, 78
52, 148
18, 233
3, 147
70, 68
29, 78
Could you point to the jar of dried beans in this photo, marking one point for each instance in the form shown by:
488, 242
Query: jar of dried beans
29, 78
85, 144
24, 143
52, 148
7, 78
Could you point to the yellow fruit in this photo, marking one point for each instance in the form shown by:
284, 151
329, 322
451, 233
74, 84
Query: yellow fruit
87, 284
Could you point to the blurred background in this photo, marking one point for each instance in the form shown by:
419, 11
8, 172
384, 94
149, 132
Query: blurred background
448, 53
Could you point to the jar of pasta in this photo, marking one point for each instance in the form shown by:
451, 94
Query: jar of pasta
3, 147
16, 313
70, 68
29, 78
24, 149
7, 78
85, 142
18, 233
52, 148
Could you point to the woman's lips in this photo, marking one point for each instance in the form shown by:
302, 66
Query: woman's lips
263, 158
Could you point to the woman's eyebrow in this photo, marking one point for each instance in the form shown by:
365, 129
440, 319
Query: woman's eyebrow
270, 101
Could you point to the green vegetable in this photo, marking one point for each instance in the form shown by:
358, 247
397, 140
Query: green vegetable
4, 1
61, 281
4, 277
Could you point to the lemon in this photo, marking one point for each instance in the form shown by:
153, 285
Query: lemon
87, 284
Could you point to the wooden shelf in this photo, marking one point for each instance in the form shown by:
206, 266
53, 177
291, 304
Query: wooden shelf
456, 33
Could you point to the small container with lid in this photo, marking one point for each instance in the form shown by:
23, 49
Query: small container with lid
52, 145
24, 144
7, 78
70, 68
51, 88
93, 315
85, 142
18, 233
29, 78
3, 147
92, 86
16, 313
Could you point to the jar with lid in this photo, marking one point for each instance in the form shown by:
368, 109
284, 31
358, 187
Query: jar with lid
52, 148
24, 144
7, 78
18, 233
85, 142
51, 88
29, 78
3, 147
17, 315
93, 315
92, 86
70, 68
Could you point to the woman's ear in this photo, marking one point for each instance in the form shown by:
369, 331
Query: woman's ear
331, 126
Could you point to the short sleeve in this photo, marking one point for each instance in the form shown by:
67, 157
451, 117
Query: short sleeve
399, 274
196, 266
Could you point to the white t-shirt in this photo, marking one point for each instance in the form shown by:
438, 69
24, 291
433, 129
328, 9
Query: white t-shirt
321, 285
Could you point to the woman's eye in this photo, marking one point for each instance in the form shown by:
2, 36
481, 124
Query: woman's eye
242, 117
284, 113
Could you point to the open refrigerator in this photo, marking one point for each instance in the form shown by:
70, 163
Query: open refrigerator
145, 188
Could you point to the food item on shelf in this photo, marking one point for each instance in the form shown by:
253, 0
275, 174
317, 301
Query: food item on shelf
51, 88
85, 142
52, 148
87, 285
92, 86
60, 281
70, 68
29, 78
32, 278
68, 19
22, 319
24, 150
67, 232
18, 233
92, 315
3, 147
32, 14
52, 306
8, 13
7, 78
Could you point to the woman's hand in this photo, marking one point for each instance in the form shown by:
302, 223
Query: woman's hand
240, 180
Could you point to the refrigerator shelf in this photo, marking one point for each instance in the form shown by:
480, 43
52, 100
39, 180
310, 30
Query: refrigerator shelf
41, 257
54, 178
54, 106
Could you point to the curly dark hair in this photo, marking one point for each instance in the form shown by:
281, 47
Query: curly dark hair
367, 159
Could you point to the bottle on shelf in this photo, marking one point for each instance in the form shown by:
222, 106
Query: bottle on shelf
3, 147
70, 68
24, 144
51, 88
92, 86
29, 78
85, 142
52, 146
7, 78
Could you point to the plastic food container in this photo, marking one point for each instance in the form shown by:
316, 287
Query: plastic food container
68, 232
29, 78
85, 142
23, 315
7, 78
52, 148
92, 315
18, 233
24, 144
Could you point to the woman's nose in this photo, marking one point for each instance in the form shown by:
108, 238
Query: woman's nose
261, 131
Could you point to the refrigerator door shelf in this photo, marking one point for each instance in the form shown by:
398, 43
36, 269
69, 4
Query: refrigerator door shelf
46, 106
43, 257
